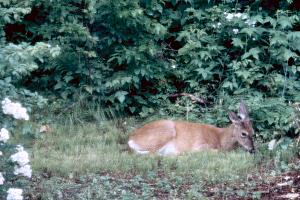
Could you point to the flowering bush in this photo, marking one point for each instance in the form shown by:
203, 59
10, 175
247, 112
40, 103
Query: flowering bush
14, 194
14, 109
16, 165
4, 135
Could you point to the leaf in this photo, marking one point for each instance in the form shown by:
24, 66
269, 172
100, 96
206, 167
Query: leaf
89, 89
159, 29
58, 85
237, 42
67, 78
132, 109
205, 55
7, 79
186, 49
279, 38
228, 84
287, 54
254, 52
203, 72
294, 40
243, 73
258, 18
285, 22
293, 35
272, 21
120, 95
249, 31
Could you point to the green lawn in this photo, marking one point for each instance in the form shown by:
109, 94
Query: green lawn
90, 160
96, 148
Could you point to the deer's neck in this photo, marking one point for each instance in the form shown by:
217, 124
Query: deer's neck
228, 139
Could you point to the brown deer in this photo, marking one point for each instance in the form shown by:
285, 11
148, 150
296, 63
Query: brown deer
167, 137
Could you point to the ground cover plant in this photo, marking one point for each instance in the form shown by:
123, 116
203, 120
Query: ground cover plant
90, 71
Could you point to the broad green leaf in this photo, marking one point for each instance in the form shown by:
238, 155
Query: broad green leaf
254, 52
258, 18
243, 73
271, 20
237, 42
287, 54
249, 31
285, 22
58, 85
120, 95
67, 78
279, 38
89, 89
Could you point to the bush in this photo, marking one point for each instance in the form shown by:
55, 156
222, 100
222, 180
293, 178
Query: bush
13, 166
135, 55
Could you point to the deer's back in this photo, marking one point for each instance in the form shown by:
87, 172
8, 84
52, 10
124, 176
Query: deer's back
174, 137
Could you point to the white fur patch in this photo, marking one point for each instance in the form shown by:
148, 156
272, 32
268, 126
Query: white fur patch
242, 115
168, 149
136, 147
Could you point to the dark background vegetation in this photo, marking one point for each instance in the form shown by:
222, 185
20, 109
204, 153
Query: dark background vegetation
137, 57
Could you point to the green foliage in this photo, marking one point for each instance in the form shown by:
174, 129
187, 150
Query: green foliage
132, 55
17, 61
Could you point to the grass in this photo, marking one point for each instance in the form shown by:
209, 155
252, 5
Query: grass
92, 161
85, 156
95, 148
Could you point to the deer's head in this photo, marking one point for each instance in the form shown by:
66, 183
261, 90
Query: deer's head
243, 130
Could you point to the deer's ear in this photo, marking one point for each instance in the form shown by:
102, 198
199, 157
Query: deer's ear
234, 118
243, 112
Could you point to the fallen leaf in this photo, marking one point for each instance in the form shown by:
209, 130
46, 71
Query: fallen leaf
45, 129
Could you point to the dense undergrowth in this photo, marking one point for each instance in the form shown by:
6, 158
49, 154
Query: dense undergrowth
138, 57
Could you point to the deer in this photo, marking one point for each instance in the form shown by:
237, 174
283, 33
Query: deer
168, 137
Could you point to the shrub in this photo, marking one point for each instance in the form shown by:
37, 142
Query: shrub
135, 55
13, 166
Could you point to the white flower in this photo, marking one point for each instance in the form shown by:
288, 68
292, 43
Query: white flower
235, 31
272, 144
1, 154
173, 66
14, 109
1, 179
23, 170
217, 25
4, 135
229, 16
250, 22
14, 194
6, 101
238, 15
21, 157
243, 16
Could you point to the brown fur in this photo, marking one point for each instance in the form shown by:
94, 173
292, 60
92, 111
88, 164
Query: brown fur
185, 136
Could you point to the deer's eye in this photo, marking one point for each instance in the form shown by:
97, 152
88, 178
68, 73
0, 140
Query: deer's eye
244, 134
